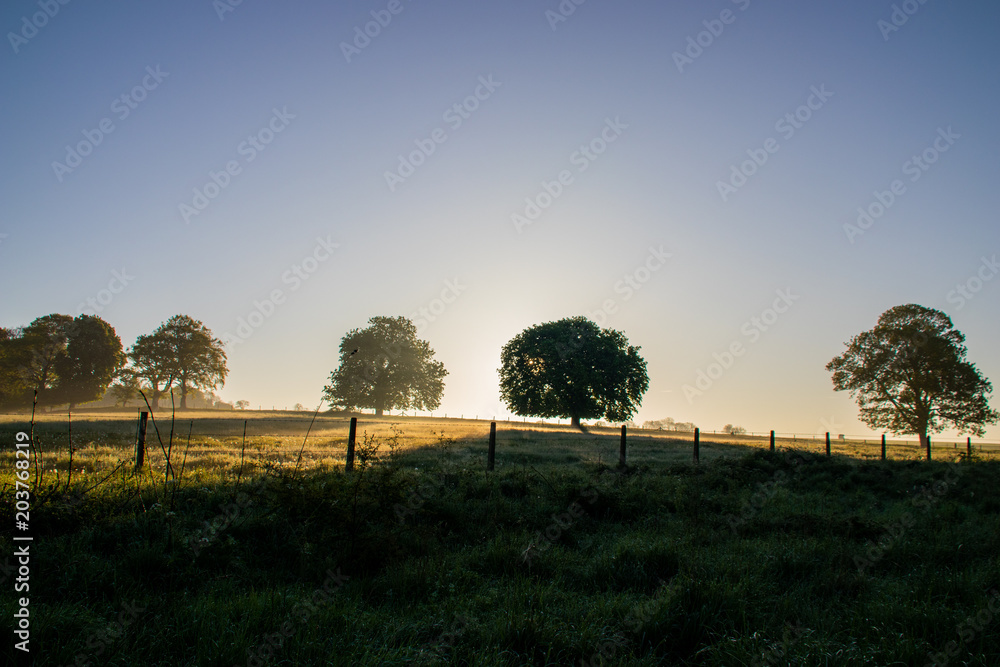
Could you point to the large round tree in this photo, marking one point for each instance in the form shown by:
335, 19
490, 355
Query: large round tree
93, 358
909, 375
384, 367
572, 369
66, 360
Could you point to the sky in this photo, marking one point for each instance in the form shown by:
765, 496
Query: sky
707, 177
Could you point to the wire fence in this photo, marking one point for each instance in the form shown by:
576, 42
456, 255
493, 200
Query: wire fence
324, 439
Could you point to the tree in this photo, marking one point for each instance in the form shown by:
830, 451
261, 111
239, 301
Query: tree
909, 375
734, 430
93, 358
15, 392
242, 405
572, 368
298, 407
126, 387
196, 357
153, 362
41, 344
66, 360
385, 366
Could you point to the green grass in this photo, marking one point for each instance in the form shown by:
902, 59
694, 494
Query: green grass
750, 558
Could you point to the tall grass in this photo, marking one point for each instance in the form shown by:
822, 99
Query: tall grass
422, 557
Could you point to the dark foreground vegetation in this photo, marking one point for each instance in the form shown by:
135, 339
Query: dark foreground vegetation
767, 559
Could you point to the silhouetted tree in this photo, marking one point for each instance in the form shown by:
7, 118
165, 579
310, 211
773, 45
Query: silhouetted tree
66, 360
41, 344
385, 366
183, 352
154, 362
93, 357
572, 369
15, 391
125, 387
197, 356
909, 375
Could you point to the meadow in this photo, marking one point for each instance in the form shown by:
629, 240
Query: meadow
249, 555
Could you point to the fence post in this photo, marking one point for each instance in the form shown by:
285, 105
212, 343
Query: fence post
928, 448
697, 444
883, 446
491, 453
621, 449
772, 440
827, 443
968, 445
140, 444
351, 436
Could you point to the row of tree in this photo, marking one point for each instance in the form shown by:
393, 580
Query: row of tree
67, 361
571, 368
908, 374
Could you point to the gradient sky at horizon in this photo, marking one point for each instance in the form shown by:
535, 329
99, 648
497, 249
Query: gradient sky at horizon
226, 76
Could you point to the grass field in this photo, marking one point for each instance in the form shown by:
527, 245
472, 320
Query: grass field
421, 556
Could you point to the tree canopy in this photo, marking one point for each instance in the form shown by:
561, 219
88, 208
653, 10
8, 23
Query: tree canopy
196, 357
384, 367
92, 360
572, 369
66, 360
909, 375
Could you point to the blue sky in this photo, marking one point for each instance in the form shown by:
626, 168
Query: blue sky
249, 159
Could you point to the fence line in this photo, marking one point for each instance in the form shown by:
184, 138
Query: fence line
772, 438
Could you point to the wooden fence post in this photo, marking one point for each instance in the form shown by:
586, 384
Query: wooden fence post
883, 446
621, 449
140, 444
772, 440
697, 444
351, 437
491, 453
928, 448
827, 443
968, 445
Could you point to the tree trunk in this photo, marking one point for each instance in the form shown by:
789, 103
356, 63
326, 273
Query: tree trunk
378, 412
184, 395
575, 421
923, 442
